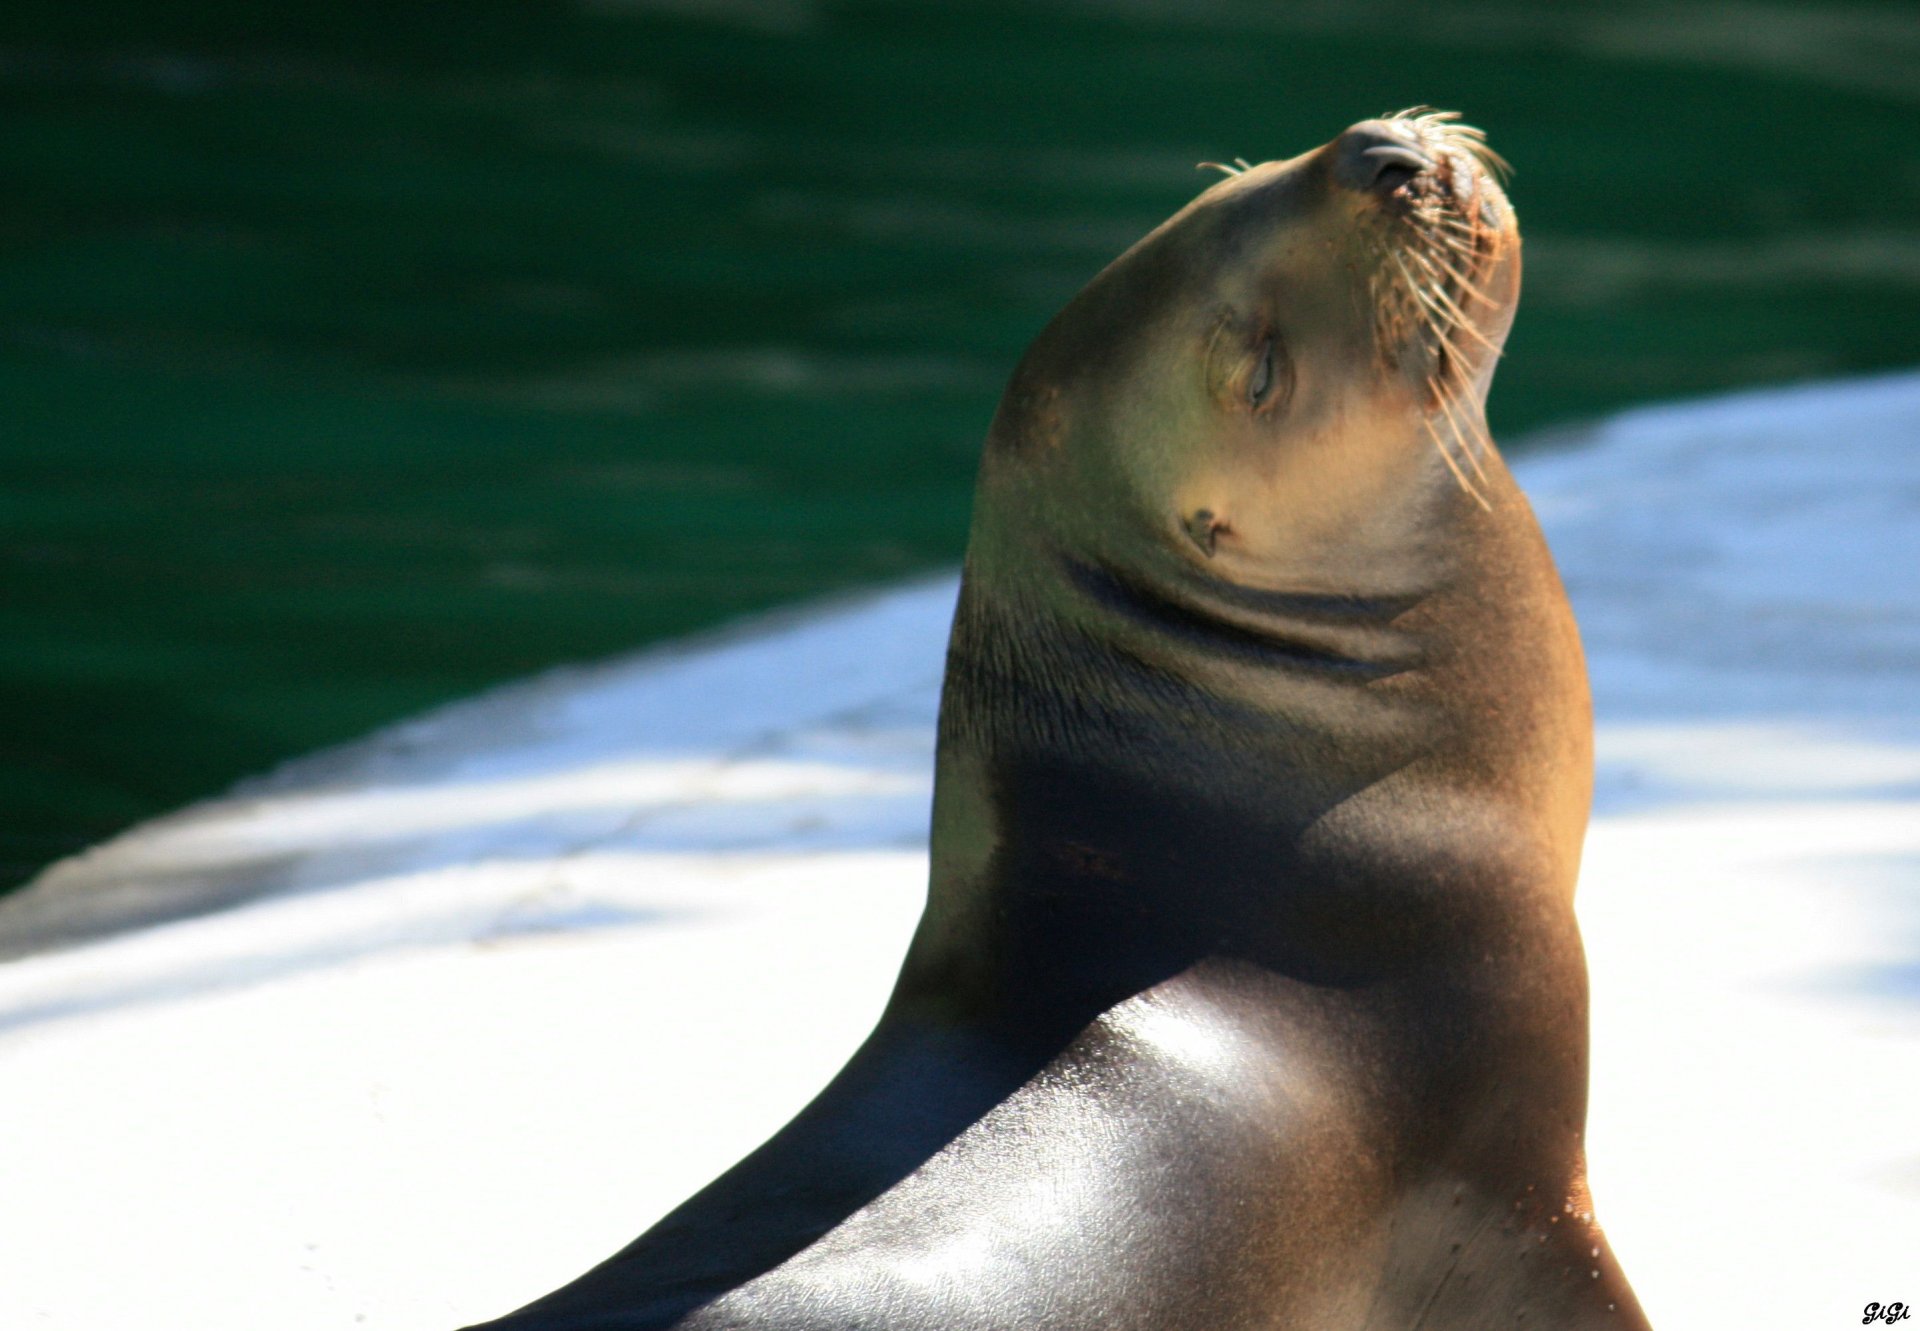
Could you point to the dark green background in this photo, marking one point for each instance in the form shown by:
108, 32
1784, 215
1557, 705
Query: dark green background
355, 357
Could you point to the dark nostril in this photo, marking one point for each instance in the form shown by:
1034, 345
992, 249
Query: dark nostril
1397, 165
1375, 158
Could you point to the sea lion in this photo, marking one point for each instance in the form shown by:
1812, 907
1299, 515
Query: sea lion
1248, 992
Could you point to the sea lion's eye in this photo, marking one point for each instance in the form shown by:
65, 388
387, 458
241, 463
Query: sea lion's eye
1247, 366
1261, 381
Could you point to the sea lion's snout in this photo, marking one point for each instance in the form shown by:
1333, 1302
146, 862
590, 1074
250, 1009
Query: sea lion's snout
1377, 157
1446, 271
1417, 161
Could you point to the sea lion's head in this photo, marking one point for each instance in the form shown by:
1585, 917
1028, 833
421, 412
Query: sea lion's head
1244, 565
1292, 365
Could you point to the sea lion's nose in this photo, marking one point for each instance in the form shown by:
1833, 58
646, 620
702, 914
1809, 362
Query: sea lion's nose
1377, 156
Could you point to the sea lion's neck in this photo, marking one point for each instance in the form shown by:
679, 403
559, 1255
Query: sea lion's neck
1332, 635
1136, 774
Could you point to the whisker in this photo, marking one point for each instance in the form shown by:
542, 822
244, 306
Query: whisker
1423, 293
1467, 440
1448, 234
1429, 294
1459, 318
1454, 467
1496, 165
1446, 388
1466, 285
1440, 271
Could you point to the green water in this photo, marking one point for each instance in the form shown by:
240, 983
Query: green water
355, 357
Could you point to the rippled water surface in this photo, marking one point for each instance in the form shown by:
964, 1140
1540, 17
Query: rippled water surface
353, 358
